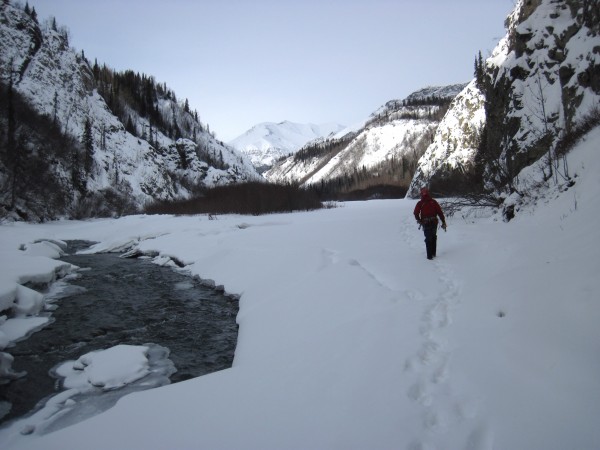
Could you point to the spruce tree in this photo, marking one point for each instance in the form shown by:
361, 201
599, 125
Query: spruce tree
88, 146
479, 71
55, 109
11, 145
130, 128
77, 179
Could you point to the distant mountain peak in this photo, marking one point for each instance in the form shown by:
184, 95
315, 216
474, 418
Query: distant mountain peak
267, 142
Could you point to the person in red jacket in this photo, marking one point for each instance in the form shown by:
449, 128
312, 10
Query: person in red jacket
427, 212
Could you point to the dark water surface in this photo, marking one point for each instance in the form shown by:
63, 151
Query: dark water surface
125, 301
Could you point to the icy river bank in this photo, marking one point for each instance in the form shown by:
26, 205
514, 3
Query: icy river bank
182, 328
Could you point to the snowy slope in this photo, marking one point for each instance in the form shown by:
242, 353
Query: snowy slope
267, 142
374, 146
353, 340
59, 82
395, 130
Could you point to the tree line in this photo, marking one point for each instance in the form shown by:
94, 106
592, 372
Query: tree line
128, 91
251, 198
41, 167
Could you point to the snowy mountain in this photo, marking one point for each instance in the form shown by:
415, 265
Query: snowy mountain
267, 142
141, 145
382, 149
535, 94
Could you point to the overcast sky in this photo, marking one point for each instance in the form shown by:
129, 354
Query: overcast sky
243, 62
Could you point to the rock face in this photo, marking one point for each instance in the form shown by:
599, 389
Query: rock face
452, 153
542, 80
541, 83
163, 153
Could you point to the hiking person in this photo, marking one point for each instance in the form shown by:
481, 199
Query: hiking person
427, 212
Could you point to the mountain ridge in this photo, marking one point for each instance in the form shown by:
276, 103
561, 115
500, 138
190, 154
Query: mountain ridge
267, 142
381, 150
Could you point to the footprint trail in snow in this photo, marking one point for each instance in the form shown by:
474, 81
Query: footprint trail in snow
440, 407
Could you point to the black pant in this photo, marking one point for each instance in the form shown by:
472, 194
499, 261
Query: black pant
430, 231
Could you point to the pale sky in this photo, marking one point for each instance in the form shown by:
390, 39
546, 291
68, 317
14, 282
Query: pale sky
243, 62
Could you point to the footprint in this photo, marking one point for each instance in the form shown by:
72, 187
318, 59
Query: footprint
481, 438
414, 295
328, 257
420, 394
441, 373
429, 352
437, 316
466, 410
419, 446
434, 420
409, 364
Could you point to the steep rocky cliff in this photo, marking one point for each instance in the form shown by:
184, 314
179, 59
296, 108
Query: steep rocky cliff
540, 86
541, 82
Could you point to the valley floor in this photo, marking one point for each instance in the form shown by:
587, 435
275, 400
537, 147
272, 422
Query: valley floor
350, 338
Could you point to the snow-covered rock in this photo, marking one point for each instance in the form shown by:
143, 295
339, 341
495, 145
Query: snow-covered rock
541, 82
542, 79
456, 139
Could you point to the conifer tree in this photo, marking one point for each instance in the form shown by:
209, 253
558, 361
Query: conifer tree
55, 108
130, 128
11, 147
77, 180
88, 145
479, 71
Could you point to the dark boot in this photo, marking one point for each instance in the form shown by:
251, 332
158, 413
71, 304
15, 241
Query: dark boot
430, 240
429, 248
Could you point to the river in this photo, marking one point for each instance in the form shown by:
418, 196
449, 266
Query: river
115, 301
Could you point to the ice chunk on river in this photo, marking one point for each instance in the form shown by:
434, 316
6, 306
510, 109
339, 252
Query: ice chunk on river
106, 369
93, 384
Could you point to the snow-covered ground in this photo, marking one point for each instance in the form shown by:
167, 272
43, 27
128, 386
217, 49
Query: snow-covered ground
351, 339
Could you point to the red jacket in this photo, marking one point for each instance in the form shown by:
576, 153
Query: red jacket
427, 210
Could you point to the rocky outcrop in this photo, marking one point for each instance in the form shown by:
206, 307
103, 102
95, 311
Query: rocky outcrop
452, 152
541, 83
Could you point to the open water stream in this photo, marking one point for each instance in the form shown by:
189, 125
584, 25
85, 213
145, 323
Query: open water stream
125, 301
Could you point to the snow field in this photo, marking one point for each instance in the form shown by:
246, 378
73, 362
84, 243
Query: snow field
350, 338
